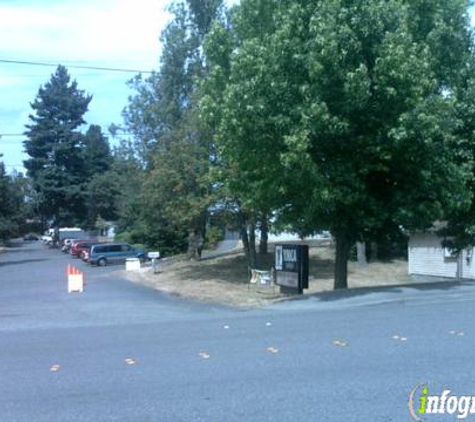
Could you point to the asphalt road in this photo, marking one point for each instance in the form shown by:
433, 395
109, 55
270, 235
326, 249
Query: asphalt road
123, 352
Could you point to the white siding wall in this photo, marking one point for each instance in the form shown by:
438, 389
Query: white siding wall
468, 268
426, 257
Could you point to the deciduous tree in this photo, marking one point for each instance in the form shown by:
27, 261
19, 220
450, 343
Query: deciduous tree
348, 110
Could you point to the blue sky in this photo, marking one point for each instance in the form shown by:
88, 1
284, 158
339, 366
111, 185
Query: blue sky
102, 33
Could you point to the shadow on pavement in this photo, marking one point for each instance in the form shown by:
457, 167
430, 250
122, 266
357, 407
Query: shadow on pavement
20, 262
16, 249
362, 291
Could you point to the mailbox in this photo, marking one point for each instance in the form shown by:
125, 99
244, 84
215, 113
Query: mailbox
154, 256
291, 268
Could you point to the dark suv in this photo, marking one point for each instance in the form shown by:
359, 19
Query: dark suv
112, 253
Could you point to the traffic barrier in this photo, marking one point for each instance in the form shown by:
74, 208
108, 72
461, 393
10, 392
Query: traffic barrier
76, 280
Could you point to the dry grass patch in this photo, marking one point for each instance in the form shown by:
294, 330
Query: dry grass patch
225, 280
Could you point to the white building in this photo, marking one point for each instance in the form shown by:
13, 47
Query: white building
427, 257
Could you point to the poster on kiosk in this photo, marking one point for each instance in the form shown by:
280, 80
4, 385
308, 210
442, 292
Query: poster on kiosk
291, 268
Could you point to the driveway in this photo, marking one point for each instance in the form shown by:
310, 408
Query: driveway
123, 352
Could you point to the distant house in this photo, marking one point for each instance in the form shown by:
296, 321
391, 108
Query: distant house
427, 257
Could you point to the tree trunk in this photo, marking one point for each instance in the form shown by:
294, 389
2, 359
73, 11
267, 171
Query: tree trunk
264, 236
244, 236
195, 243
361, 253
252, 246
200, 242
341, 262
374, 252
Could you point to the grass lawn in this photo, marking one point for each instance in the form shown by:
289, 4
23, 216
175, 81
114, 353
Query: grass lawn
225, 280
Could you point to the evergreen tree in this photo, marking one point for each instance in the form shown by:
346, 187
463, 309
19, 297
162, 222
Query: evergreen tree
96, 152
101, 184
12, 204
54, 144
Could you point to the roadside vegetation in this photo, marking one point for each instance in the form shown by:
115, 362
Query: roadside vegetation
343, 115
225, 280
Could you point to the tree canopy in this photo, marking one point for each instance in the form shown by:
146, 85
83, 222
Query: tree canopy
54, 145
12, 203
174, 148
347, 109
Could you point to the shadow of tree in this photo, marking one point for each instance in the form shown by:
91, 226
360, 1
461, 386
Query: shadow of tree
17, 249
362, 291
20, 262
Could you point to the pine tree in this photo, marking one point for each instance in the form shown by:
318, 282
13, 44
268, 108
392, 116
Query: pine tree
96, 152
54, 144
102, 185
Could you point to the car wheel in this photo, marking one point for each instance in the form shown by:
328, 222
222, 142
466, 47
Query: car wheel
102, 262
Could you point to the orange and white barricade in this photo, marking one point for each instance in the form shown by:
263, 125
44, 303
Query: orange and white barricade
76, 281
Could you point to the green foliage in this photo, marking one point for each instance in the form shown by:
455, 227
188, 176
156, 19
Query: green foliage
55, 148
342, 114
137, 222
96, 152
102, 185
214, 235
66, 167
125, 237
238, 74
12, 206
179, 184
172, 146
103, 189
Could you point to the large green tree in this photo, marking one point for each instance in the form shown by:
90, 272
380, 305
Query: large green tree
55, 146
174, 148
347, 109
245, 179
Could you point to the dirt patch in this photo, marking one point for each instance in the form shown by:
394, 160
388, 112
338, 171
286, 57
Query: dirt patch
225, 280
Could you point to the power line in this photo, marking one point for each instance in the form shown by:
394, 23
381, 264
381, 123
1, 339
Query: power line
23, 135
106, 69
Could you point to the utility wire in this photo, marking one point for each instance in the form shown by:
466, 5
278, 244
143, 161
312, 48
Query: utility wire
106, 69
24, 134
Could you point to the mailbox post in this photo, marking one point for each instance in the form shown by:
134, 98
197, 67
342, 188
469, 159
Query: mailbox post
154, 256
291, 268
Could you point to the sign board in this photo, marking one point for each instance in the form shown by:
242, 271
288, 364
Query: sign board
291, 267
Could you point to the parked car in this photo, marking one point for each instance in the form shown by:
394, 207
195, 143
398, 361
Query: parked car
79, 246
30, 237
112, 253
85, 254
47, 239
66, 245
